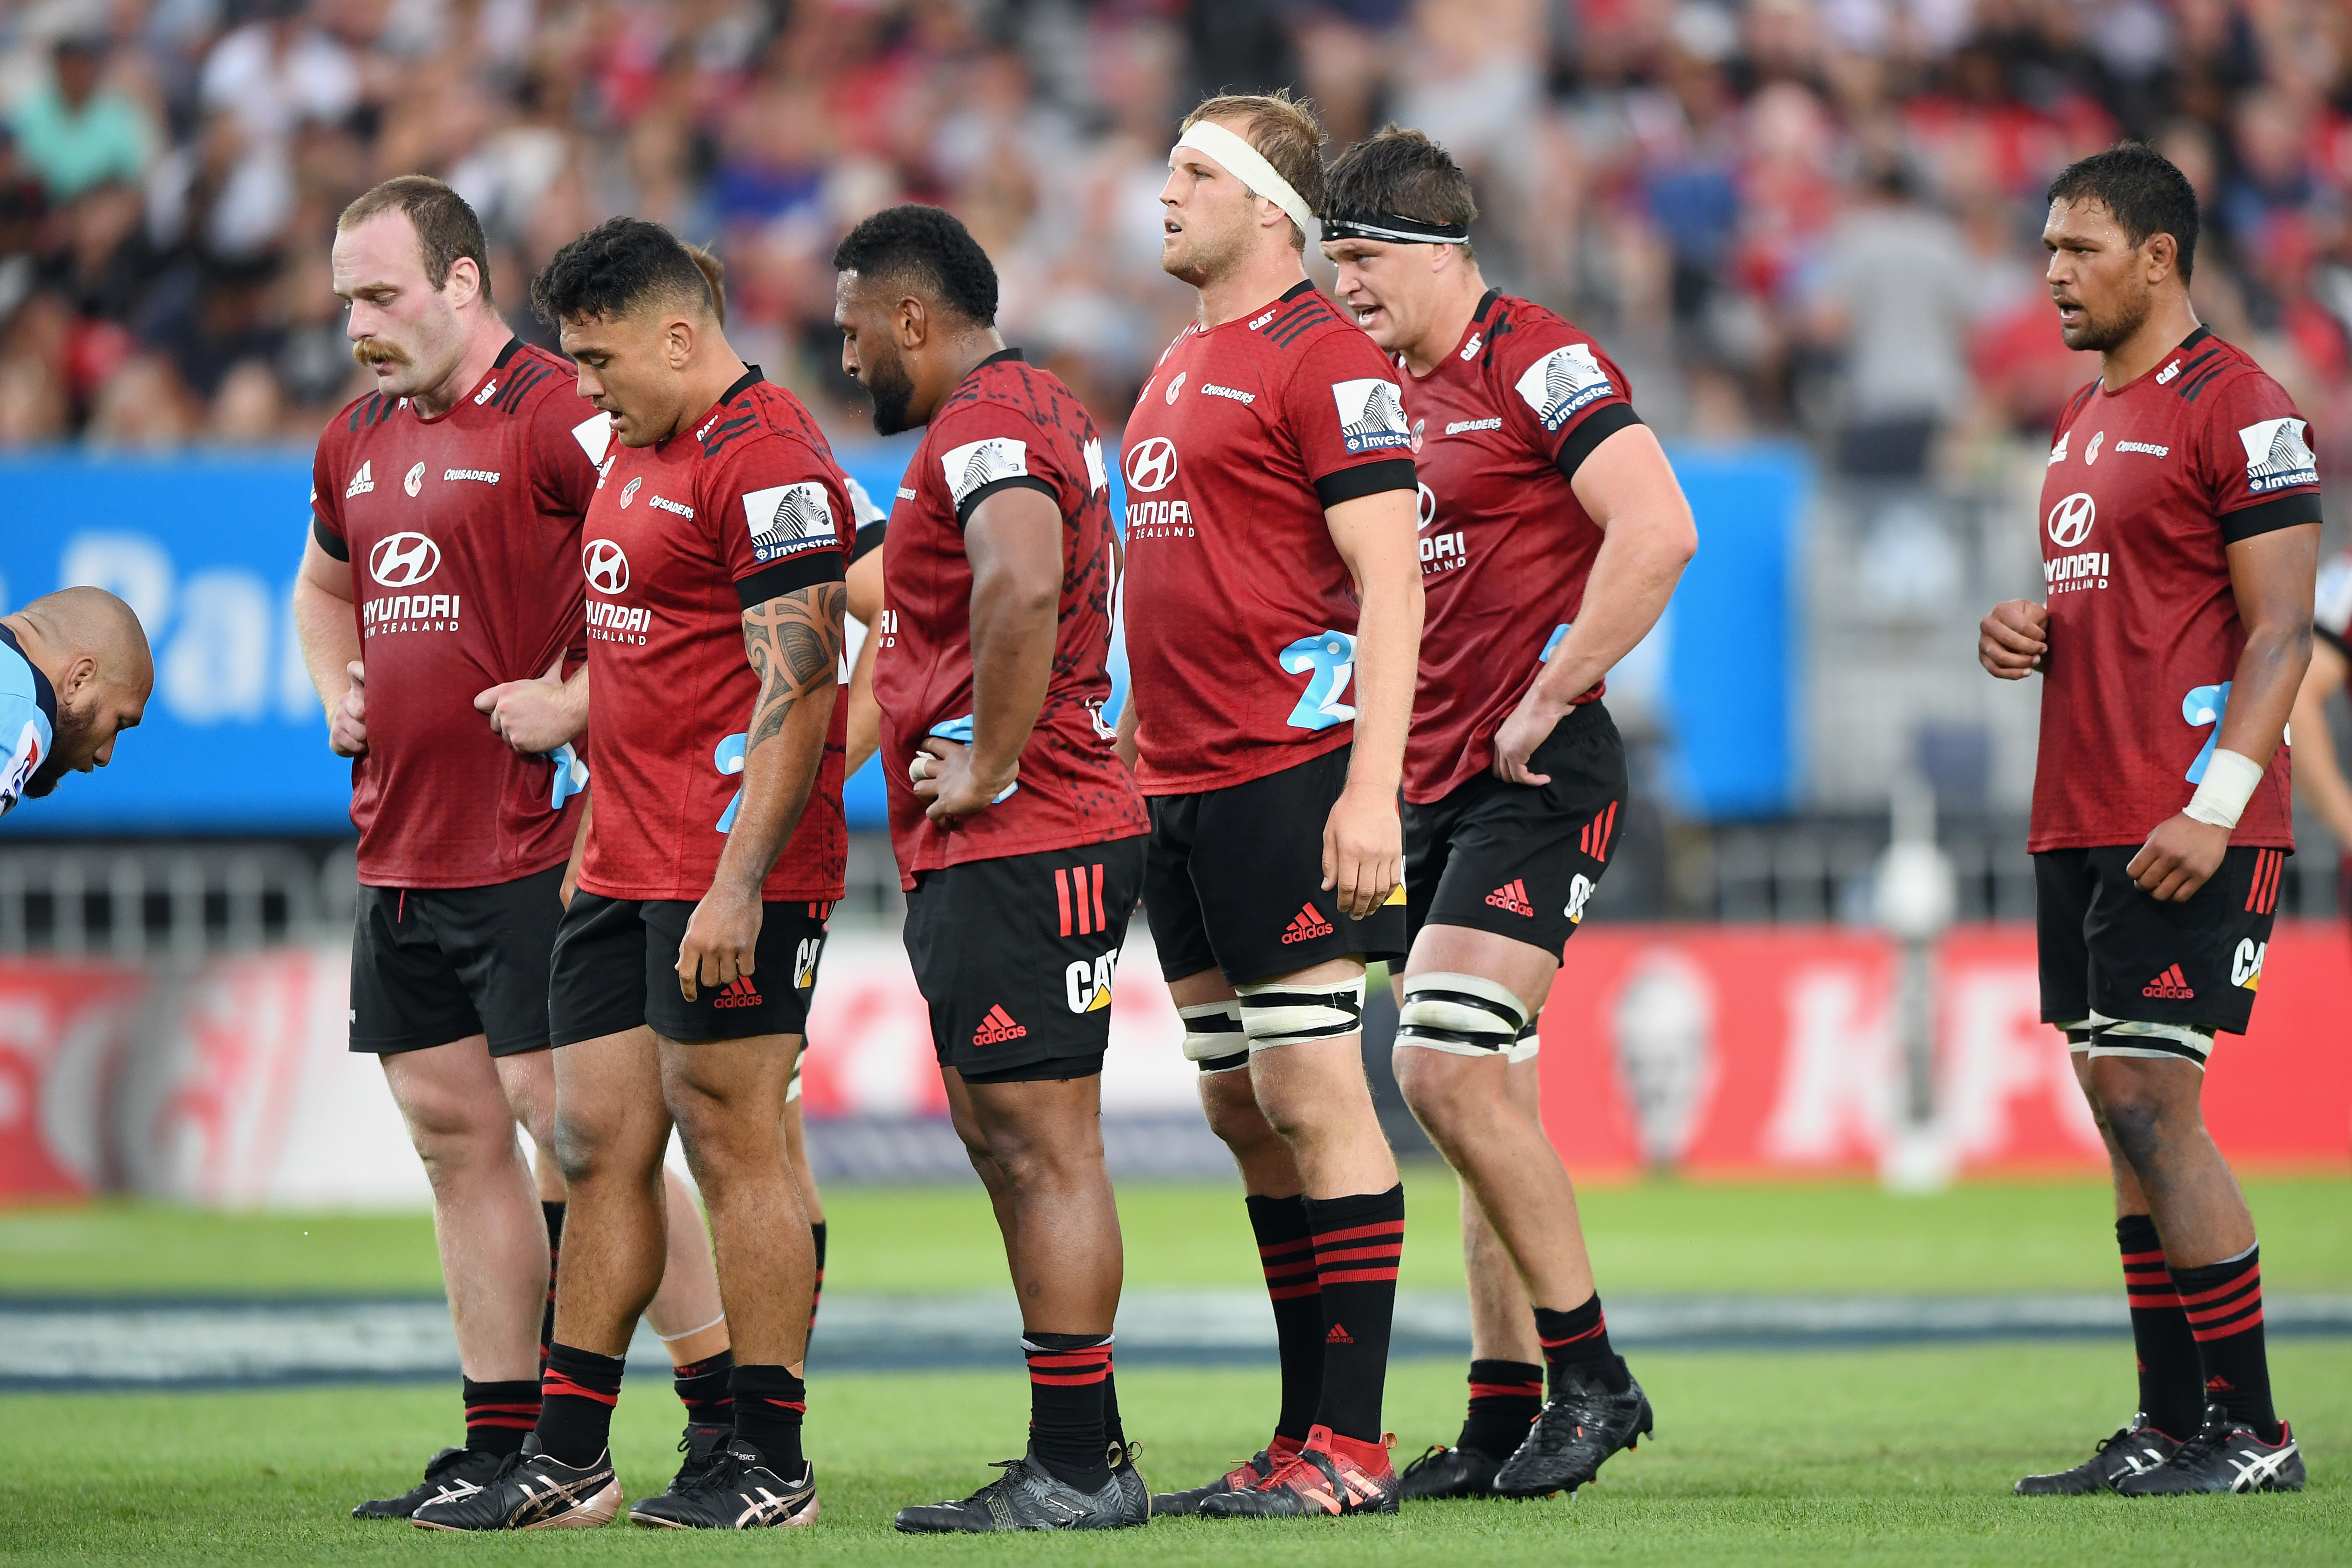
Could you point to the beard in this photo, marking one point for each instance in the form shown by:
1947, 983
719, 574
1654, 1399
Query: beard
1199, 260
892, 389
2098, 335
69, 737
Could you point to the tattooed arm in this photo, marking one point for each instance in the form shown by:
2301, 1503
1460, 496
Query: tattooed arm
795, 645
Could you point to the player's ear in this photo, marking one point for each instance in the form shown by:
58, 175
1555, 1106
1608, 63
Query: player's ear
79, 675
677, 340
464, 284
914, 322
2163, 256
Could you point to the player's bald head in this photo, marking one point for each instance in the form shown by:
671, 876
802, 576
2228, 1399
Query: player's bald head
94, 653
74, 622
625, 266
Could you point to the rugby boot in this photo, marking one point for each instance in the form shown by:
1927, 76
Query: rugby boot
735, 1491
1315, 1483
2131, 1450
2224, 1456
1028, 1495
450, 1470
1261, 1465
533, 1491
1443, 1472
1134, 1495
1581, 1424
705, 1449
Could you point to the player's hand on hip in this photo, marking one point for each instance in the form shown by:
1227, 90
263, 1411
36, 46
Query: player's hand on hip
534, 717
1529, 725
347, 722
722, 937
2178, 858
2012, 641
1363, 850
945, 784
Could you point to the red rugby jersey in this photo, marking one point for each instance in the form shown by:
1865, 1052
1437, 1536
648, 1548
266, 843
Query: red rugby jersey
1006, 425
2147, 486
461, 532
1241, 616
681, 537
1499, 427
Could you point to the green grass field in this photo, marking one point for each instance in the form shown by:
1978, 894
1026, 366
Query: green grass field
1877, 1457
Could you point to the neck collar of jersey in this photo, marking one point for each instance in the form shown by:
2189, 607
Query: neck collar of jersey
43, 694
1002, 356
1485, 303
514, 347
749, 379
2193, 339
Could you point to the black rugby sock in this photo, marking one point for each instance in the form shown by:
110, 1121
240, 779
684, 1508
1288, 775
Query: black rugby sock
552, 1213
816, 1292
1580, 1338
2224, 1305
1506, 1397
769, 1405
1067, 1372
577, 1397
2171, 1377
1286, 1251
706, 1388
498, 1414
1359, 1241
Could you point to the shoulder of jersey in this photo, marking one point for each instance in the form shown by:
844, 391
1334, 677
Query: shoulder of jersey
1517, 330
762, 409
1027, 390
1292, 323
2205, 365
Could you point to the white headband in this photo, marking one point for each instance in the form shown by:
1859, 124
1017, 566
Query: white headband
1245, 163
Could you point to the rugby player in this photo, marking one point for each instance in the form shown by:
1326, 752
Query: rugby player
1019, 832
1273, 617
712, 855
443, 571
75, 672
2180, 526
1552, 534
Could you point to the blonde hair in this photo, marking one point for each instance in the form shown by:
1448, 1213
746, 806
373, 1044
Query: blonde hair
1285, 133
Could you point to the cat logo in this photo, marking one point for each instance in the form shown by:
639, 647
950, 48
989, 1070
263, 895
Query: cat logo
1579, 891
804, 957
1086, 983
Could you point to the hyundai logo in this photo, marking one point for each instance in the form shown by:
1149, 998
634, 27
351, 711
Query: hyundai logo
1425, 503
404, 560
1151, 465
606, 568
2071, 520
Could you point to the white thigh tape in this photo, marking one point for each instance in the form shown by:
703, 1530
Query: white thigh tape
1461, 1015
1525, 1047
1274, 1013
2181, 1042
1213, 1036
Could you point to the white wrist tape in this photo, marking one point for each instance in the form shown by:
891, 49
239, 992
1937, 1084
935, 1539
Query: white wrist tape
2228, 783
1247, 164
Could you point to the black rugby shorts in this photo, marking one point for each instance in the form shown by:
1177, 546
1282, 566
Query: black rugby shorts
1015, 956
430, 966
1234, 880
1521, 860
2108, 948
616, 967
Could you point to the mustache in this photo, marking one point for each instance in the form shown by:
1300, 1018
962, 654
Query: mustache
374, 351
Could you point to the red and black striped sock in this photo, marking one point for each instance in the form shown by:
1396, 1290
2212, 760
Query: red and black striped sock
1359, 1240
705, 1389
817, 1294
576, 1399
1286, 1251
1067, 1376
2224, 1305
2171, 1377
1113, 1431
1506, 1397
769, 1405
1580, 1338
553, 1214
499, 1414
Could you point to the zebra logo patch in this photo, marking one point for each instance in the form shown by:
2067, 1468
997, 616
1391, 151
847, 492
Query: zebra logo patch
978, 464
1563, 382
1371, 414
787, 519
2277, 458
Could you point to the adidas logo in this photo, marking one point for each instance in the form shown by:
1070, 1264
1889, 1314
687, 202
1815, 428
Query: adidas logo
1305, 926
738, 993
361, 482
2219, 1384
1512, 896
997, 1028
2170, 987
1338, 1335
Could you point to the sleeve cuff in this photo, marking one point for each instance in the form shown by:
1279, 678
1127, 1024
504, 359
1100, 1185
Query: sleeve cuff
1366, 480
333, 545
1598, 426
789, 576
965, 507
2263, 517
869, 540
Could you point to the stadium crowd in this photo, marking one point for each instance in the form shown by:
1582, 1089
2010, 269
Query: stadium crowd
1818, 215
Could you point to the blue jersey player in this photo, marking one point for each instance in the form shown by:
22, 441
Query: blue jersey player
75, 673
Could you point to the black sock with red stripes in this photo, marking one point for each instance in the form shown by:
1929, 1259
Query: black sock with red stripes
2224, 1305
498, 1414
769, 1405
816, 1292
1067, 1374
1580, 1338
1506, 1397
2171, 1377
576, 1399
706, 1388
1359, 1240
552, 1213
1286, 1251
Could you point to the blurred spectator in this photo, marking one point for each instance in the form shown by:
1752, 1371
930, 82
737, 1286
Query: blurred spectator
72, 133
